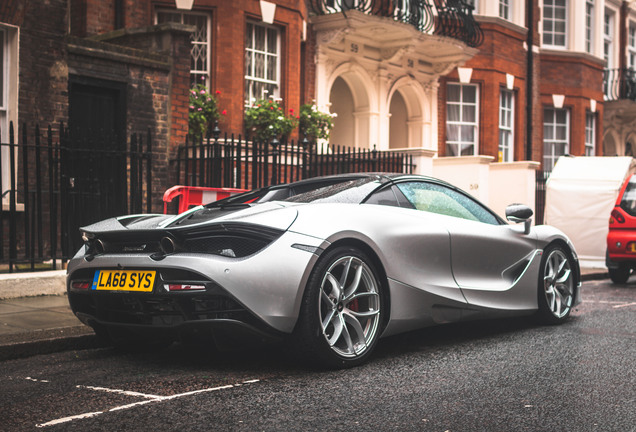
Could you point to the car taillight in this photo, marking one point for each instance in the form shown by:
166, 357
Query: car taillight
80, 285
183, 287
616, 217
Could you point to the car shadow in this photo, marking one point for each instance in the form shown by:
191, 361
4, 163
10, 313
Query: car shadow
282, 358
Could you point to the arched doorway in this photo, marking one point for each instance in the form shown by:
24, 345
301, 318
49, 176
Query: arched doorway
609, 145
398, 128
342, 104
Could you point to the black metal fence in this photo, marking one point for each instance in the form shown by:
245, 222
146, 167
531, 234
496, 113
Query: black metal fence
619, 84
238, 163
453, 18
52, 184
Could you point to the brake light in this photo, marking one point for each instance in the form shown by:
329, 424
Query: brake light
80, 285
183, 287
616, 217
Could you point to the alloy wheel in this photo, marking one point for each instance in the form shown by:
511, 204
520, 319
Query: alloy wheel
349, 306
558, 283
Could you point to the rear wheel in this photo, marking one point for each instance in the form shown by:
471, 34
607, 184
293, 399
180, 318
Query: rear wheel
556, 285
621, 274
342, 311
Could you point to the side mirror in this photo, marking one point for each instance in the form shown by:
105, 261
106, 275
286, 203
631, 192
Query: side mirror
520, 213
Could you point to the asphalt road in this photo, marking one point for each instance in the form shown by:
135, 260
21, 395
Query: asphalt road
510, 375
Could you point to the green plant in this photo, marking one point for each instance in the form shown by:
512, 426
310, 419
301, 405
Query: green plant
265, 120
204, 110
314, 124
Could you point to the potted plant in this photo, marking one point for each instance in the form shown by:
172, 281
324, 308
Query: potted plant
313, 123
266, 120
204, 111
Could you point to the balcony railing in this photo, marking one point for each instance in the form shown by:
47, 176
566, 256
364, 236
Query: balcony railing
452, 18
619, 84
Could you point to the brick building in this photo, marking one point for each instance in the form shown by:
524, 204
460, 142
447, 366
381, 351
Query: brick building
536, 84
619, 49
127, 66
525, 82
99, 71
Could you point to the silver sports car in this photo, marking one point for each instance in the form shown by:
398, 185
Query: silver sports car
332, 269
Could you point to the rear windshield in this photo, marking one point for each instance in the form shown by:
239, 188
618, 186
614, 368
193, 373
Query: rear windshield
352, 192
628, 202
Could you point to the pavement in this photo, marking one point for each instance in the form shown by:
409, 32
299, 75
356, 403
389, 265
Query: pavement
35, 317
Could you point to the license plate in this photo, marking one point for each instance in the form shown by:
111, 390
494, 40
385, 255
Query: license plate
124, 280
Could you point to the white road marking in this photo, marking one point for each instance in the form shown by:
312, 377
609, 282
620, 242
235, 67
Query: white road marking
36, 380
124, 392
68, 419
624, 305
150, 399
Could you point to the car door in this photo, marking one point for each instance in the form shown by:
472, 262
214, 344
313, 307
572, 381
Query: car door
488, 256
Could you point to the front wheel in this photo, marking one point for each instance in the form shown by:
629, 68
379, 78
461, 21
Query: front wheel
556, 285
342, 311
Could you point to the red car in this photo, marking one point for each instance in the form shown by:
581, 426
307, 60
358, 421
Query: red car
621, 239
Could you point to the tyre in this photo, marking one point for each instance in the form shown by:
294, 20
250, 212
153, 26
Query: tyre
556, 285
621, 274
342, 312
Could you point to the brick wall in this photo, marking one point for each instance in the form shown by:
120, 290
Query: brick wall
43, 74
563, 74
553, 73
12, 11
501, 53
156, 92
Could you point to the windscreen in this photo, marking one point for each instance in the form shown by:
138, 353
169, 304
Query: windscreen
628, 202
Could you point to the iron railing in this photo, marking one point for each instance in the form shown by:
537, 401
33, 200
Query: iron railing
45, 201
231, 162
619, 84
452, 18
46, 197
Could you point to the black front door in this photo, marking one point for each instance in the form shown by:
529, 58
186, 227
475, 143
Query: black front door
94, 174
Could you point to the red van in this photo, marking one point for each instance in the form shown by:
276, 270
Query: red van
621, 239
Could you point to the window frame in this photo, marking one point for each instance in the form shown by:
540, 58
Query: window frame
505, 9
549, 160
609, 17
608, 37
459, 124
590, 133
8, 109
553, 21
506, 130
589, 26
252, 81
5, 61
194, 73
631, 44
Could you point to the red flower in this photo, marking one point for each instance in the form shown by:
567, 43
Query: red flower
291, 110
218, 92
272, 108
224, 112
